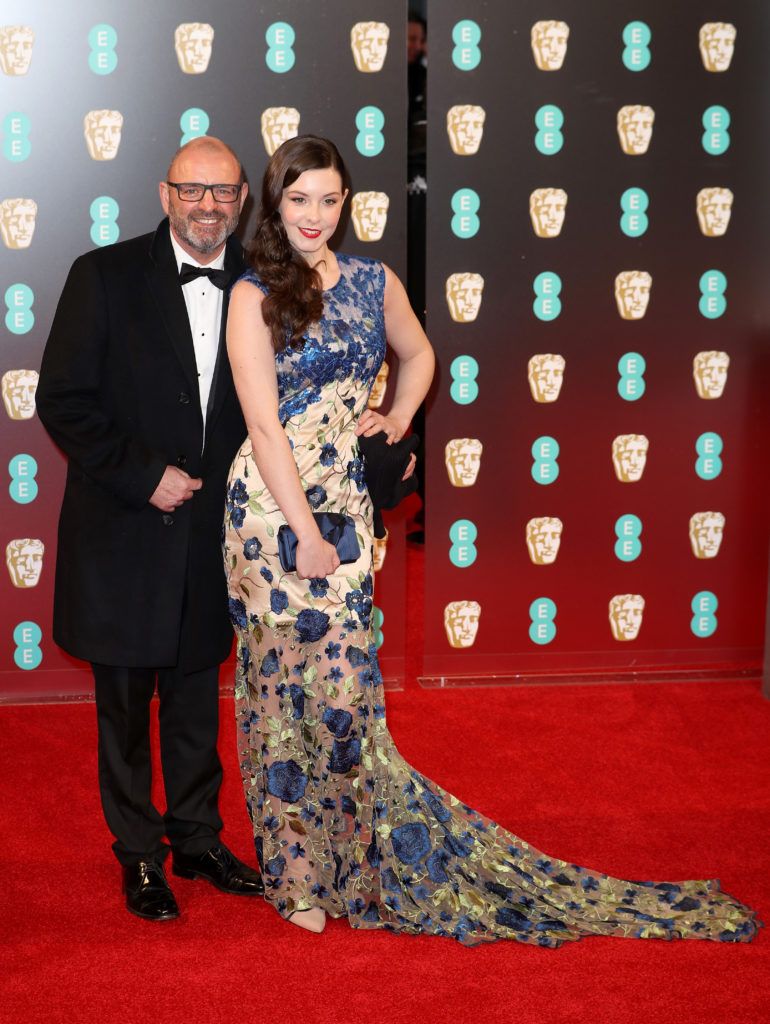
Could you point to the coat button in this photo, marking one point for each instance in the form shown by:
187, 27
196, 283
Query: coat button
181, 460
166, 519
184, 398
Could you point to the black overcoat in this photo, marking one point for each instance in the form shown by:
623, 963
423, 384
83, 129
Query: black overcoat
118, 393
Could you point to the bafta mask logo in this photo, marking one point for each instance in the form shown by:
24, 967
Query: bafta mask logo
17, 222
544, 539
16, 48
463, 296
709, 370
379, 552
549, 44
380, 386
632, 293
461, 622
706, 530
193, 41
462, 457
465, 126
545, 373
626, 611
629, 457
369, 211
102, 131
369, 43
714, 206
278, 125
716, 40
547, 207
24, 558
635, 128
19, 387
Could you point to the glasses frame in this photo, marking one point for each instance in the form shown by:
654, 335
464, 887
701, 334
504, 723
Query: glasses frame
206, 188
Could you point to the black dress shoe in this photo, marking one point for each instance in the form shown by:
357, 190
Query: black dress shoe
148, 894
221, 868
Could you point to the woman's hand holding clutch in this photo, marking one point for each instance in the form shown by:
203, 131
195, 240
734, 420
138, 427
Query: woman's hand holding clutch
316, 558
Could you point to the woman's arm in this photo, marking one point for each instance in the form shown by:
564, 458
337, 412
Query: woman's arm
252, 359
415, 364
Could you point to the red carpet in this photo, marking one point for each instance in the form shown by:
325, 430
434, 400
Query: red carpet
644, 781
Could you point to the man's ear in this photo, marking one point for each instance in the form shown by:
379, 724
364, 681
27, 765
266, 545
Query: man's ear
163, 193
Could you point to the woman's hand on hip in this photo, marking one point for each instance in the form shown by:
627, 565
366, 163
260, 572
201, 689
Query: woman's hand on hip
371, 422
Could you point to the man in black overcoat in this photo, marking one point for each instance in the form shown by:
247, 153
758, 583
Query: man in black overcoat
135, 387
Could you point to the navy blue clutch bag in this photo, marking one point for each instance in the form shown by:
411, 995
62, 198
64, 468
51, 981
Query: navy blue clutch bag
335, 528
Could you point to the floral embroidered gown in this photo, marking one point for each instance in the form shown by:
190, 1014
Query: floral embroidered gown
340, 820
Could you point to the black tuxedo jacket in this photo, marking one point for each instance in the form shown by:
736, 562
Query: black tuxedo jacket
118, 393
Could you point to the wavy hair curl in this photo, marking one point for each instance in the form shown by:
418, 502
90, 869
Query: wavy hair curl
295, 297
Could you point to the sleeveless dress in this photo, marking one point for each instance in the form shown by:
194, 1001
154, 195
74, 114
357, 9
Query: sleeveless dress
340, 820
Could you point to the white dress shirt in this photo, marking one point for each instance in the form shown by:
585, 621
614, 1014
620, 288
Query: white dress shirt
204, 311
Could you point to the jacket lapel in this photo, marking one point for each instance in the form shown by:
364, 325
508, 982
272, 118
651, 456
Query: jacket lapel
222, 381
163, 279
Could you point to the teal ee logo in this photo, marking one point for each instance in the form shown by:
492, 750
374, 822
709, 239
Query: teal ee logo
631, 385
280, 39
637, 36
633, 220
463, 534
549, 121
377, 620
466, 55
547, 304
464, 371
712, 302
704, 622
22, 488
104, 215
16, 145
465, 206
194, 122
545, 452
18, 300
27, 637
709, 447
102, 59
628, 529
542, 628
370, 121
716, 138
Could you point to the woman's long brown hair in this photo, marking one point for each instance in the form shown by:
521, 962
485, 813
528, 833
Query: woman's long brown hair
295, 297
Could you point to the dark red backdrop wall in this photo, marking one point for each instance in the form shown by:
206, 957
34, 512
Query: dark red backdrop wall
482, 57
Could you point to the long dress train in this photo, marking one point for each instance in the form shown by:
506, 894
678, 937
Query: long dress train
340, 820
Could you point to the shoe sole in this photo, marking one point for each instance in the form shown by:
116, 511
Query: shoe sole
153, 917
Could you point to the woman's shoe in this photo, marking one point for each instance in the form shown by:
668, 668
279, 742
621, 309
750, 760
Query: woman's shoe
312, 920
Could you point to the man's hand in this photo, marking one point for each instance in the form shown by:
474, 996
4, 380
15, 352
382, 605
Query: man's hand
175, 487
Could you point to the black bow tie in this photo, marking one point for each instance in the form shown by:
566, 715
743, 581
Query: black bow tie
219, 278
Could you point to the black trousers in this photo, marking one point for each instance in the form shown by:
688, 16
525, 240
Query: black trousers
192, 773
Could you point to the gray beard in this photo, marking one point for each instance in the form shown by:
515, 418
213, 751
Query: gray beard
199, 238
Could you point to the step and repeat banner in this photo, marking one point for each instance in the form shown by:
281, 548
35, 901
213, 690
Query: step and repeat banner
597, 292
94, 99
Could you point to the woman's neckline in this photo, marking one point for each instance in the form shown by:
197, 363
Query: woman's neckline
339, 276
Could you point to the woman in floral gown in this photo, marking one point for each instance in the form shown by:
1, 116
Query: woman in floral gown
342, 824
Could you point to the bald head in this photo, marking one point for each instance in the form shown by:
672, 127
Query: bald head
202, 226
205, 146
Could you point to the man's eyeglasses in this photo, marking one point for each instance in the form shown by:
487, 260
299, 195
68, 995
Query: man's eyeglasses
193, 191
